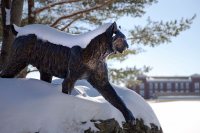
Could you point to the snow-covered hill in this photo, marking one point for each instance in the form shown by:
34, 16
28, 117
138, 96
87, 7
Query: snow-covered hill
30, 105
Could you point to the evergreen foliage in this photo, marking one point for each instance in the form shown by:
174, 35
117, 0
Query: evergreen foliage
75, 16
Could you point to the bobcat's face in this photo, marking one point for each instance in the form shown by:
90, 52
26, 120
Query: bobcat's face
119, 42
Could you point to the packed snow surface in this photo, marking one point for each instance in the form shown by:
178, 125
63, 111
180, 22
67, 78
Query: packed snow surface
54, 36
30, 105
178, 116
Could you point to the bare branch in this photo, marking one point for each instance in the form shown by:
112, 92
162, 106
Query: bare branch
74, 20
80, 12
50, 5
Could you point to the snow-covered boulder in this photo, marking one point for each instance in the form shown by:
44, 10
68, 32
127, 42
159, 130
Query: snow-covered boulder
29, 105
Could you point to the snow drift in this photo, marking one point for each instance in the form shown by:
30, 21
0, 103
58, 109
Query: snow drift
29, 105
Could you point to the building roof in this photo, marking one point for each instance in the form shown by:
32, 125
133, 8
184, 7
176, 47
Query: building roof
195, 75
168, 79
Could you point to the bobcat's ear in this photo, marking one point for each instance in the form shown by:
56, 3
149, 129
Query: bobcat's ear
112, 29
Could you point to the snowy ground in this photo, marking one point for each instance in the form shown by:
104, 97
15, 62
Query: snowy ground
178, 116
30, 105
174, 117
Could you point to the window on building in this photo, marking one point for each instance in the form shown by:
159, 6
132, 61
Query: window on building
150, 89
142, 92
141, 85
156, 85
142, 89
150, 85
187, 87
176, 86
196, 85
161, 87
182, 86
169, 85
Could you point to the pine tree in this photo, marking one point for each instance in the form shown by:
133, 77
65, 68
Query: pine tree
75, 16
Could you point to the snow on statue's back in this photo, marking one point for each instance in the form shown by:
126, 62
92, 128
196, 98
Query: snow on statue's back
54, 36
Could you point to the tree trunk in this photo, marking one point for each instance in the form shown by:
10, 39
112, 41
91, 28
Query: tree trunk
16, 11
16, 8
31, 20
31, 14
6, 34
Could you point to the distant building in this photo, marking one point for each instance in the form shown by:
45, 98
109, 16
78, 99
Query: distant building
151, 87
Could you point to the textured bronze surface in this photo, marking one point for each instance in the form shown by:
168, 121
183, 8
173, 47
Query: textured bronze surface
71, 63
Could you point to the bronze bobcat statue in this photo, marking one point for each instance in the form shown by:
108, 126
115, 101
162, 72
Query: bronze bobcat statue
71, 63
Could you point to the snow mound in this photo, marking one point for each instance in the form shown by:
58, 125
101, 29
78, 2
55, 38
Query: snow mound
29, 105
52, 35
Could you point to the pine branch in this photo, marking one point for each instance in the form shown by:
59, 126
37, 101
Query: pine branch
158, 32
80, 12
52, 5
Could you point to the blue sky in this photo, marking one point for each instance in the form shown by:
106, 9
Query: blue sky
181, 56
